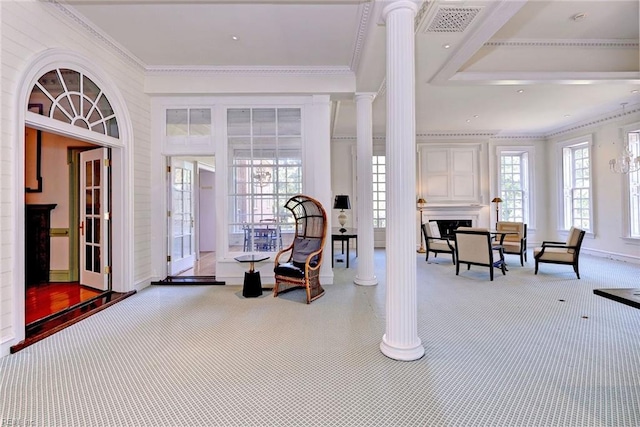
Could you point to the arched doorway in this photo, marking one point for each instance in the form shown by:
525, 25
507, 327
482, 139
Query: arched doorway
62, 93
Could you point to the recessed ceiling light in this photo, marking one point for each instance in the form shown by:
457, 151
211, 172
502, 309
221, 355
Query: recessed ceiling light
234, 37
468, 120
520, 90
635, 91
476, 116
567, 115
579, 16
446, 46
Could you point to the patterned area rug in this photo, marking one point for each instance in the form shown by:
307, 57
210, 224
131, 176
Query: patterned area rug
523, 350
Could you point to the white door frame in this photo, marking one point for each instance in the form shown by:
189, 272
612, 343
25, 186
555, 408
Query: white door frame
122, 174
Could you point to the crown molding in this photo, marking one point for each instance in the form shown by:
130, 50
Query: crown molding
361, 35
595, 121
70, 13
597, 43
547, 77
261, 70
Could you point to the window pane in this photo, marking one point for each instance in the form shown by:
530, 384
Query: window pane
265, 170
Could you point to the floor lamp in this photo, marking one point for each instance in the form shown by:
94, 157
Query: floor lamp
420, 204
497, 201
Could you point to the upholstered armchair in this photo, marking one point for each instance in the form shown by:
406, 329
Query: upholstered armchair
298, 266
436, 243
561, 252
514, 243
474, 247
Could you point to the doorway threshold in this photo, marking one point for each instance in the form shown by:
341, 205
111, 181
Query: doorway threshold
189, 280
43, 328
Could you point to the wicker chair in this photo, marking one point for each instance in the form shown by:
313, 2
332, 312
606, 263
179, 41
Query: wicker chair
298, 266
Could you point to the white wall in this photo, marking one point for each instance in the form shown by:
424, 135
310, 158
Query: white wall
607, 190
28, 29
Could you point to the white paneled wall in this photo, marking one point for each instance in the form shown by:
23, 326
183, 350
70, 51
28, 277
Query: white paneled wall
28, 29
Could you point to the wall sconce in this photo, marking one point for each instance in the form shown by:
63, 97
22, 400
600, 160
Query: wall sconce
420, 204
342, 202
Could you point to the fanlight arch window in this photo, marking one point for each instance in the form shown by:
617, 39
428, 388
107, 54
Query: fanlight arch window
71, 97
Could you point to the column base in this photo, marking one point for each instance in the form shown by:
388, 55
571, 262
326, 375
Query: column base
406, 354
366, 282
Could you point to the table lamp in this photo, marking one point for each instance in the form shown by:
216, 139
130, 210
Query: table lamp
342, 202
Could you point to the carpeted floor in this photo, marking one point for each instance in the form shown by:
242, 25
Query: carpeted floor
523, 350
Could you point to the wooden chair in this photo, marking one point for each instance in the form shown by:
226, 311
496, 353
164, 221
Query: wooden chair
298, 266
474, 247
561, 252
435, 243
514, 243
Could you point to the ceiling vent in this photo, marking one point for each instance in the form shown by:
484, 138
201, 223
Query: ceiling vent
452, 19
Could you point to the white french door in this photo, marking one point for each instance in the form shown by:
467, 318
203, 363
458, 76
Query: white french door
181, 220
94, 218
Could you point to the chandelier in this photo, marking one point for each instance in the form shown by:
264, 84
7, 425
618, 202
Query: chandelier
626, 162
262, 176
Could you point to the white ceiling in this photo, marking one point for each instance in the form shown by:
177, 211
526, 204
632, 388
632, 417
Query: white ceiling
515, 67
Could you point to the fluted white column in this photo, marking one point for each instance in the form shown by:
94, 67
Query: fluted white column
365, 275
400, 340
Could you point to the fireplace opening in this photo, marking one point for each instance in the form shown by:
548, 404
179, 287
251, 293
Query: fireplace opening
447, 226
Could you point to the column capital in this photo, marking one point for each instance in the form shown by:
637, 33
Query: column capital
384, 7
364, 95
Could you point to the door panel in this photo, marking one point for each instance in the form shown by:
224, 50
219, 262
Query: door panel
94, 218
181, 221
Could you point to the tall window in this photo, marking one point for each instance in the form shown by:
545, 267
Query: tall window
379, 192
514, 177
576, 170
633, 139
265, 170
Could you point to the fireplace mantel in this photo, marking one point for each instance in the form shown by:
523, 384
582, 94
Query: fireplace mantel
455, 207
453, 211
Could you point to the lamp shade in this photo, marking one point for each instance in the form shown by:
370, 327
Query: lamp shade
421, 203
342, 202
496, 200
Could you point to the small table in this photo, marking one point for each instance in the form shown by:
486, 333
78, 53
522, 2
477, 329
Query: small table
252, 286
349, 233
628, 296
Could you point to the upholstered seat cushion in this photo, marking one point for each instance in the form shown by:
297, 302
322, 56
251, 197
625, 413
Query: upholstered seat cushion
435, 245
554, 254
511, 246
289, 269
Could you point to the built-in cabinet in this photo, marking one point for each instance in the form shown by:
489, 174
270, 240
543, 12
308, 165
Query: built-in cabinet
38, 242
450, 174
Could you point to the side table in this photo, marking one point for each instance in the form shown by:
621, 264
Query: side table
252, 286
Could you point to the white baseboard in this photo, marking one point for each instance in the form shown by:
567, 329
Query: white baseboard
612, 255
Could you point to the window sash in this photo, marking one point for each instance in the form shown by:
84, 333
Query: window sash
514, 186
576, 162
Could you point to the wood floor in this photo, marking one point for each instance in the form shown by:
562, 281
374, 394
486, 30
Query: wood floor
50, 307
205, 266
44, 299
